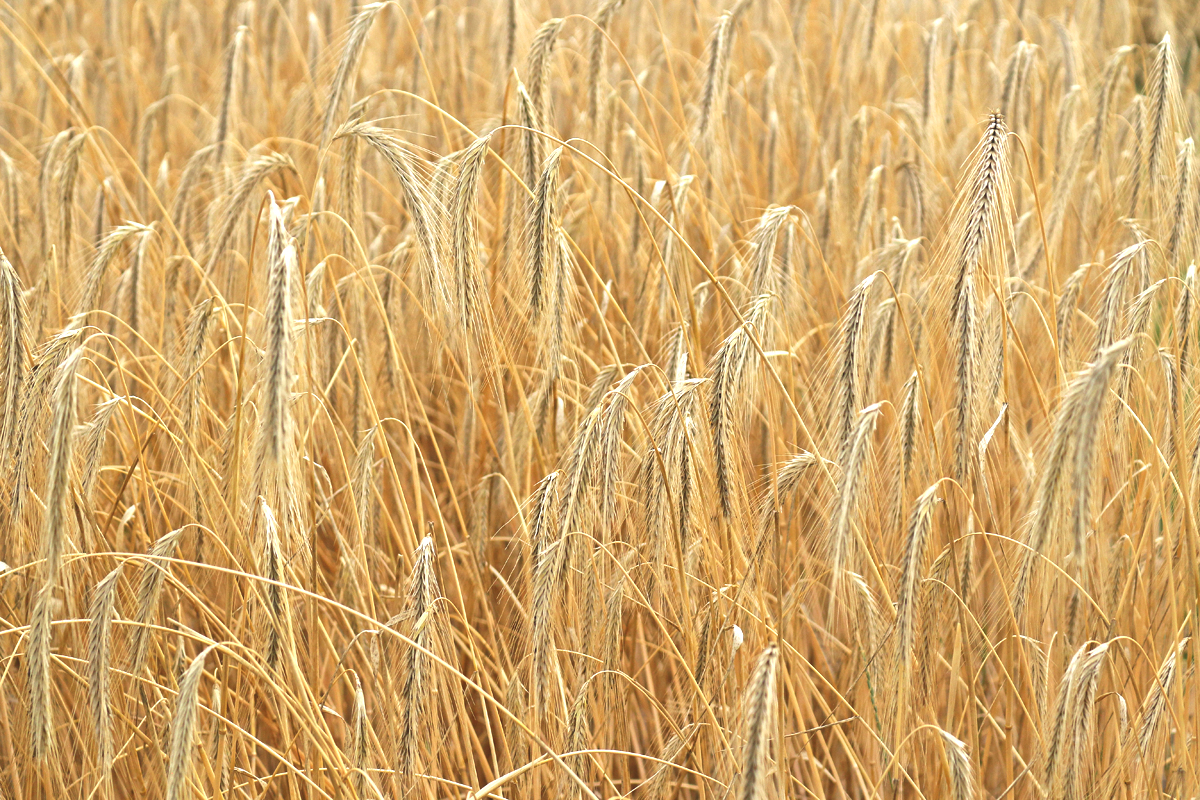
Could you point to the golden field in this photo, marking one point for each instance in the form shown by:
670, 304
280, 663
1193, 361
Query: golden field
649, 399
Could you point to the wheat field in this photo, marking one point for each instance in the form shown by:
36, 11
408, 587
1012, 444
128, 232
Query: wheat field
649, 399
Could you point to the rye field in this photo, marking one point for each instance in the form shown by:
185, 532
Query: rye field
617, 400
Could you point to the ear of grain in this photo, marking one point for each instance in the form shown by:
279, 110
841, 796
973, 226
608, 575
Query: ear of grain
1138, 319
364, 491
1086, 418
537, 69
765, 278
1181, 242
233, 65
787, 482
542, 235
961, 770
416, 681
422, 205
910, 424
183, 727
105, 254
579, 725
49, 162
574, 515
1155, 706
760, 712
65, 177
932, 42
194, 339
41, 719
510, 37
470, 294
150, 583
1184, 322
1116, 283
348, 65
255, 169
274, 459
732, 381
902, 257
101, 614
849, 365
915, 541
61, 440
840, 545
596, 43
867, 207
38, 398
980, 230
1056, 743
515, 701
716, 66
1075, 429
612, 425
598, 389
1163, 113
555, 332
1067, 305
14, 353
276, 601
547, 575
676, 363
1079, 718
614, 607
359, 744
350, 184
1067, 107
664, 470
93, 439
532, 148
12, 196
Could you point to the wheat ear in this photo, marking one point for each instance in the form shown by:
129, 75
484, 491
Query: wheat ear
94, 436
1165, 104
40, 380
541, 235
841, 537
101, 615
849, 364
1075, 424
1080, 720
760, 711
150, 583
273, 459
731, 380
41, 717
962, 772
604, 15
359, 743
233, 60
982, 214
62, 427
253, 171
470, 294
183, 727
348, 65
1155, 706
538, 69
14, 353
416, 665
